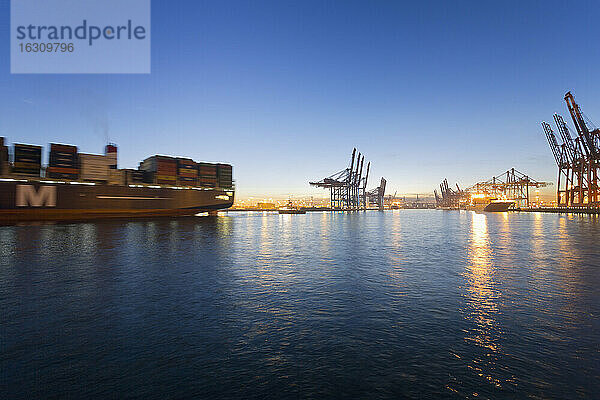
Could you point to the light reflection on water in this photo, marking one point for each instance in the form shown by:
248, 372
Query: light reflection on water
480, 284
396, 254
482, 300
254, 305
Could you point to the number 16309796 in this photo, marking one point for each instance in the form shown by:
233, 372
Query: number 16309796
46, 47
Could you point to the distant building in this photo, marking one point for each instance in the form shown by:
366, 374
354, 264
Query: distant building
266, 206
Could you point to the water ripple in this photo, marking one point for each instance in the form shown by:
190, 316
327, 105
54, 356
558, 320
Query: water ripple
415, 304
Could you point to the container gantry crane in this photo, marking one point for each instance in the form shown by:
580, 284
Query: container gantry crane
448, 197
348, 187
511, 185
578, 158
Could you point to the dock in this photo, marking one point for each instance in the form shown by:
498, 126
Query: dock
562, 210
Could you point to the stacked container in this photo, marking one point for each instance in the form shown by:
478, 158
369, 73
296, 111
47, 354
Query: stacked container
134, 176
116, 177
63, 162
187, 172
148, 176
224, 176
163, 169
207, 175
3, 158
27, 159
94, 167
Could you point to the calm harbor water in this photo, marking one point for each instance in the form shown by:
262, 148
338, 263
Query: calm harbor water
393, 304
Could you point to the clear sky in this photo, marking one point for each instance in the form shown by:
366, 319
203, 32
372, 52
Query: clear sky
284, 90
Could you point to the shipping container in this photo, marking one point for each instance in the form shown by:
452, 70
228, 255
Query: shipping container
163, 167
62, 148
189, 173
27, 169
159, 164
186, 163
63, 170
66, 173
25, 165
148, 176
187, 168
224, 176
27, 153
165, 180
224, 170
62, 156
206, 169
207, 182
62, 159
185, 181
116, 177
93, 167
27, 159
134, 176
61, 176
225, 184
63, 163
3, 157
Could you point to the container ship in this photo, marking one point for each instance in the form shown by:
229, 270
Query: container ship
488, 204
79, 186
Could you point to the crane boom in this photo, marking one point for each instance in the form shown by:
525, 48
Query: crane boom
589, 143
572, 149
554, 146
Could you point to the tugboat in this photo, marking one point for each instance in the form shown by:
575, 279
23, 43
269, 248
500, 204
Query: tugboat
290, 209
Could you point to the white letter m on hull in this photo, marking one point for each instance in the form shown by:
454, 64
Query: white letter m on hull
28, 196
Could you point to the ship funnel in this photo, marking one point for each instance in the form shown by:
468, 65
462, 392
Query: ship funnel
111, 154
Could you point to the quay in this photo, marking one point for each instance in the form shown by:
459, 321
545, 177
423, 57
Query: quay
562, 210
307, 209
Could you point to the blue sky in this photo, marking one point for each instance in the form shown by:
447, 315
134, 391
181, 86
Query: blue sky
284, 90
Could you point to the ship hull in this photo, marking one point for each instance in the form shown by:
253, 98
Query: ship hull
499, 206
43, 200
494, 206
292, 211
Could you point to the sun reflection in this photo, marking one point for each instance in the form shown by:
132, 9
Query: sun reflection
568, 276
538, 233
395, 254
89, 239
325, 228
567, 255
265, 244
482, 298
480, 281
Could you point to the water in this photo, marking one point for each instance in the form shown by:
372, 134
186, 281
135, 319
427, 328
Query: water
417, 304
